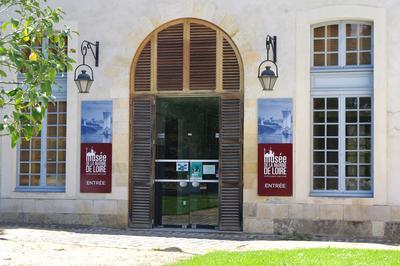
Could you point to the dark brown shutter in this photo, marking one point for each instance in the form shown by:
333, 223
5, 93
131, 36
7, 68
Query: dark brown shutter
170, 58
143, 69
142, 160
230, 68
202, 57
230, 163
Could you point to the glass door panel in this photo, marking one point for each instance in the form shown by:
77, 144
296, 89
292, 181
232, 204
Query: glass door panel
173, 203
203, 204
187, 161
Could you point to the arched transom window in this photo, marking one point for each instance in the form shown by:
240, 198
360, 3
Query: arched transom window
187, 55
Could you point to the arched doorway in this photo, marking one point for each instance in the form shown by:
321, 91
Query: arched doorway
186, 128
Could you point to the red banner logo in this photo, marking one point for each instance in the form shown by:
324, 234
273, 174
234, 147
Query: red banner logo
275, 169
96, 161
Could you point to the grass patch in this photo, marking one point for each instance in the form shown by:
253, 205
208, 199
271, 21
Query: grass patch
311, 257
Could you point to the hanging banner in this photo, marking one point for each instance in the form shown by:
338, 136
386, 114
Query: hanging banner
96, 146
275, 173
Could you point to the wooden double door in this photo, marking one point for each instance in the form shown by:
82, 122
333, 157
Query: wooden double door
186, 162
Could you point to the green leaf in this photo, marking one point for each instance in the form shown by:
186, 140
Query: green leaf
14, 138
28, 131
37, 113
3, 74
5, 26
1, 126
14, 23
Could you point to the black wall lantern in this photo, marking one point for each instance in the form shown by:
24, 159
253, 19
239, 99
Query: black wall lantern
84, 80
268, 77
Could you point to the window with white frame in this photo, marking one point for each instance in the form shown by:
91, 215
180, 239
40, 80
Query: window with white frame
41, 163
342, 113
42, 160
340, 44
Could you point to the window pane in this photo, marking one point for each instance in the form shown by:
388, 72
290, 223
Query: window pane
332, 59
332, 30
332, 157
51, 156
332, 170
351, 103
351, 130
319, 170
365, 43
319, 130
332, 45
51, 143
24, 144
52, 107
61, 156
351, 143
365, 103
365, 157
319, 45
332, 116
332, 143
35, 143
35, 156
319, 117
24, 156
332, 184
351, 29
319, 184
365, 58
319, 143
24, 180
319, 157
351, 184
61, 143
52, 131
319, 103
62, 131
319, 59
365, 184
35, 180
365, 116
332, 103
365, 170
61, 180
365, 30
62, 119
365, 130
35, 168
51, 180
351, 117
51, 168
365, 143
351, 170
24, 168
351, 59
52, 119
62, 107
332, 130
351, 44
351, 157
319, 32
61, 168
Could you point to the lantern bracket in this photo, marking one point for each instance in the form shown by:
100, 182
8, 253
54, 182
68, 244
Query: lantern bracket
85, 46
270, 42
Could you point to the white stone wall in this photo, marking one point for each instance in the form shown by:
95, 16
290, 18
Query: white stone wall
120, 26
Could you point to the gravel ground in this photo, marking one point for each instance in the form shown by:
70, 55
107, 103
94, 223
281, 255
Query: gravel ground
100, 246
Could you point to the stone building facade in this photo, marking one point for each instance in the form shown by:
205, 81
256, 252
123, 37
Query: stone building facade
370, 209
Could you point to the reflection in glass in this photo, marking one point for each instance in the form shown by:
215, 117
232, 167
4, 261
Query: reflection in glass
319, 184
